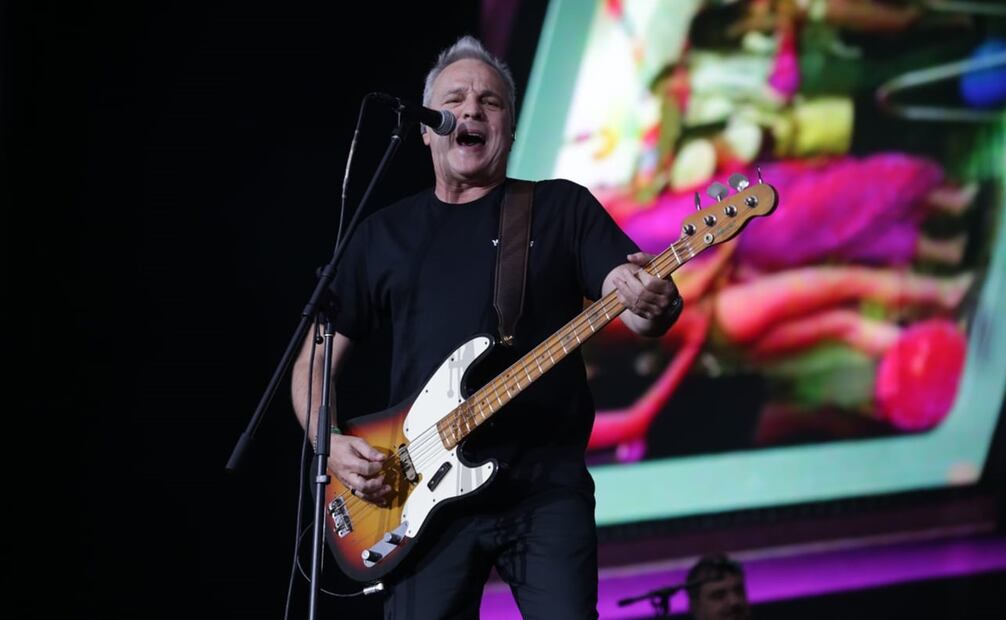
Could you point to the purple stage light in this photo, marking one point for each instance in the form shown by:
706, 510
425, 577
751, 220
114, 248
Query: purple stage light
782, 574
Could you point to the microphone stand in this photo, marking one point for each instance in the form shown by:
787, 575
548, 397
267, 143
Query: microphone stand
661, 597
320, 302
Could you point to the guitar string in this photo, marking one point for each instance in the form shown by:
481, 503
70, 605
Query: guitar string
424, 445
361, 510
421, 448
465, 413
427, 442
494, 395
430, 437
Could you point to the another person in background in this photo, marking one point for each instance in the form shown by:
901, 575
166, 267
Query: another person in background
717, 590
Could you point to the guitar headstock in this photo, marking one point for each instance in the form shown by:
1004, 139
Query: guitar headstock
725, 219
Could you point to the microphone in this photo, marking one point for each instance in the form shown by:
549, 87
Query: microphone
442, 122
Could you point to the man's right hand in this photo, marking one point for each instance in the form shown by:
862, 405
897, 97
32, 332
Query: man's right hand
358, 465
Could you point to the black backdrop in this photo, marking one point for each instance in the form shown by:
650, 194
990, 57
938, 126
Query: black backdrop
172, 180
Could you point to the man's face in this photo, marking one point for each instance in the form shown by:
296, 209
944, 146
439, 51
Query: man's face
476, 152
724, 599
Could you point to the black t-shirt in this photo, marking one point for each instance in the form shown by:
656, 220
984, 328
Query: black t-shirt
426, 269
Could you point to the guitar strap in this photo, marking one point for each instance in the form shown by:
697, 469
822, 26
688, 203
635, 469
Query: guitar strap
511, 257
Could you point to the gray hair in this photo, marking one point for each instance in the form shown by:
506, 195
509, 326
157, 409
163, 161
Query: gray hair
469, 47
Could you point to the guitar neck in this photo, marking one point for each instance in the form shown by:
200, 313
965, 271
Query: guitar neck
707, 227
481, 405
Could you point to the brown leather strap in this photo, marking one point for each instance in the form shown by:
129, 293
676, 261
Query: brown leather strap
511, 257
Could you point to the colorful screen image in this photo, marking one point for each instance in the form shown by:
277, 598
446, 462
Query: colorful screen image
847, 343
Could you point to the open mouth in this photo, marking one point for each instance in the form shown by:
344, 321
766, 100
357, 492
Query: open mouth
470, 137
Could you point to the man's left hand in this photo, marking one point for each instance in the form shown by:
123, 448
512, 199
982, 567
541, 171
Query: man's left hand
653, 300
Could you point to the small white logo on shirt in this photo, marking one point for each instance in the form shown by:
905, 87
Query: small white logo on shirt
496, 243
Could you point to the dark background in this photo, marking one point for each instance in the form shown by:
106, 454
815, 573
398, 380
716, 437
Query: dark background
171, 182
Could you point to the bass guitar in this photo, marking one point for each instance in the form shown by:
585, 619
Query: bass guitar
422, 436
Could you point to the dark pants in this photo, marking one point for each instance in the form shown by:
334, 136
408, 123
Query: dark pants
545, 547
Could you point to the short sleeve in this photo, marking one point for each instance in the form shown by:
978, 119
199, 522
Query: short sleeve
600, 245
353, 290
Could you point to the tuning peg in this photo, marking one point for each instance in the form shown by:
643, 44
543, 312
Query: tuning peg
759, 174
718, 191
698, 202
739, 182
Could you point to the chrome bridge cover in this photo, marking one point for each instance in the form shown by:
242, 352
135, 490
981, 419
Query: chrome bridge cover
407, 467
340, 514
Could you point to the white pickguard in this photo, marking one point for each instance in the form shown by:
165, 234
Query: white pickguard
441, 394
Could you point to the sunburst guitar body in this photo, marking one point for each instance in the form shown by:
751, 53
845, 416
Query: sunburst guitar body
423, 471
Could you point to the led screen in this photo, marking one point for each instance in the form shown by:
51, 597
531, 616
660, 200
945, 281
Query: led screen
847, 344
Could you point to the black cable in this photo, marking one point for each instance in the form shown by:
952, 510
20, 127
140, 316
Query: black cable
368, 590
349, 162
301, 474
